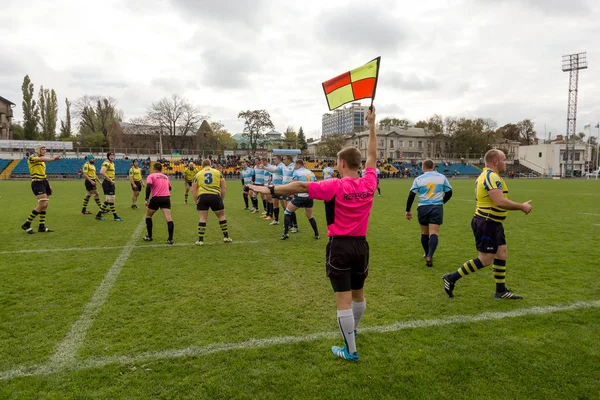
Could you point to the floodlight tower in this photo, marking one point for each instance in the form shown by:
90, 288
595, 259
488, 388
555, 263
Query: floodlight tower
572, 63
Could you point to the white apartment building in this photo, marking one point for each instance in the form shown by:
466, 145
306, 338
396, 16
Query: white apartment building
549, 159
398, 143
344, 120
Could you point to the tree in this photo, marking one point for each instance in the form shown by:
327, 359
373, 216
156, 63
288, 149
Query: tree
330, 145
470, 136
390, 122
175, 117
255, 122
97, 114
291, 138
65, 126
527, 132
31, 114
48, 106
302, 139
509, 132
17, 132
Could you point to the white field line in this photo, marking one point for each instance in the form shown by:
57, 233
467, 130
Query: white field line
595, 215
196, 351
66, 351
120, 247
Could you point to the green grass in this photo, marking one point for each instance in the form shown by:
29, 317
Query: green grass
173, 298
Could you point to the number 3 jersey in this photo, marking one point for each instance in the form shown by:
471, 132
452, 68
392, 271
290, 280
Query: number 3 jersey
430, 188
209, 181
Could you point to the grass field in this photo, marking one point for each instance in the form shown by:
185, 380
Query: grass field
91, 311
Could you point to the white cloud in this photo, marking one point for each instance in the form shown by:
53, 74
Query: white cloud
478, 58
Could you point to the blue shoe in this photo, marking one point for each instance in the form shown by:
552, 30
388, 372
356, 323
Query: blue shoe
118, 219
100, 218
341, 352
355, 334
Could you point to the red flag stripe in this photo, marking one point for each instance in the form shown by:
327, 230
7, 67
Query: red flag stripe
337, 82
363, 88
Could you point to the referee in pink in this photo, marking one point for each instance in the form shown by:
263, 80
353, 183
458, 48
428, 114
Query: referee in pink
348, 203
158, 185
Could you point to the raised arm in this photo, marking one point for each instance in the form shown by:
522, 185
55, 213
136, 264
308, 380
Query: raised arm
372, 143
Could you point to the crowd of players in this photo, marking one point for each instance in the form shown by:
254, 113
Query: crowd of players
285, 183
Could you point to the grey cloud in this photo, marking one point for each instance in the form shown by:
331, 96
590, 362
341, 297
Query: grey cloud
362, 27
389, 109
409, 82
246, 13
550, 7
174, 85
228, 70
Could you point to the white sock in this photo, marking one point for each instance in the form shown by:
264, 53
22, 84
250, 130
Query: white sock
346, 323
358, 308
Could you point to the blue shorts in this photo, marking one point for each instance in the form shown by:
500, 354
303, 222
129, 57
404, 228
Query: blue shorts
430, 215
303, 202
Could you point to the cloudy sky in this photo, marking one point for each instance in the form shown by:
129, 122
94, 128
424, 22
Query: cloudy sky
474, 58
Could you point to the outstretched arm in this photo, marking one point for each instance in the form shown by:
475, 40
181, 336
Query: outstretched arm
372, 143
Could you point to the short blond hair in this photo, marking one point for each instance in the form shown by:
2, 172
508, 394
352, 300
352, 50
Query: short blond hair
351, 156
206, 162
491, 154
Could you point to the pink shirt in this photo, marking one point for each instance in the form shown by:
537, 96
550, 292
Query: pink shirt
348, 203
160, 184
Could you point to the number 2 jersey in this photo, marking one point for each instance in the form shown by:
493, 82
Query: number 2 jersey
209, 181
430, 188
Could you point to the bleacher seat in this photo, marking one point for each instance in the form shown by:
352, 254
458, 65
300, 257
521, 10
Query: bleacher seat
70, 166
462, 169
4, 164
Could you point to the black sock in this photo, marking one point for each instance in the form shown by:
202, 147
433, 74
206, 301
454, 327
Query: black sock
246, 199
425, 243
433, 242
276, 213
313, 223
379, 191
294, 220
149, 226
287, 221
265, 205
171, 228
255, 203
270, 212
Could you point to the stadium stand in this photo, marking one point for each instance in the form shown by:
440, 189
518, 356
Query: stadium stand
457, 169
4, 164
70, 166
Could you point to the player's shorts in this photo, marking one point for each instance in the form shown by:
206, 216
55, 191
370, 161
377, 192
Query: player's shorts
108, 188
347, 262
89, 186
246, 189
489, 234
41, 187
137, 186
430, 215
210, 201
188, 183
303, 202
162, 202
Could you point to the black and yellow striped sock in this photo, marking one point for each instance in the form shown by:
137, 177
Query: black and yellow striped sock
499, 270
223, 226
111, 207
31, 217
98, 202
86, 200
186, 197
42, 219
201, 231
469, 267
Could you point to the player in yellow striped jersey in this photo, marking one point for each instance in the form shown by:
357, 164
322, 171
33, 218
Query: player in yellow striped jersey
135, 178
108, 187
188, 177
209, 190
492, 208
89, 174
40, 186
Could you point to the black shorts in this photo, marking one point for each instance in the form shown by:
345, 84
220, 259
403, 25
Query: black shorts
430, 215
283, 197
347, 262
489, 235
246, 189
41, 187
89, 186
303, 202
188, 183
108, 188
210, 201
160, 202
137, 186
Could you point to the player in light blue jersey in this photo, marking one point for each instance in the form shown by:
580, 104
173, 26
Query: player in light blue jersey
328, 172
247, 174
378, 173
300, 200
267, 180
259, 180
287, 177
434, 191
276, 171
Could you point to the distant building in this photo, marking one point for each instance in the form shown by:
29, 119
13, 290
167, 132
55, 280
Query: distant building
6, 115
408, 143
549, 159
344, 120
